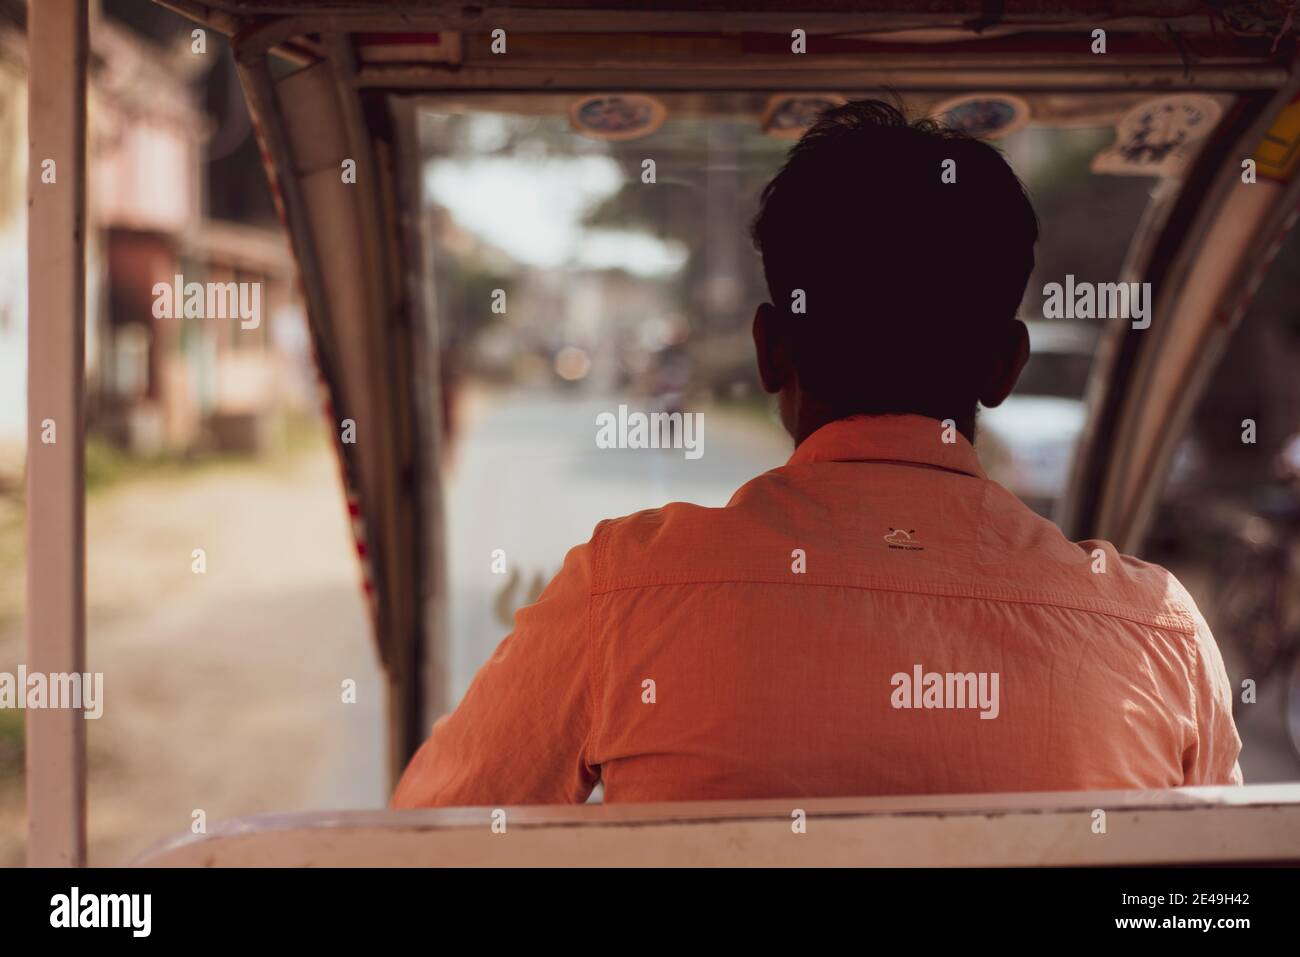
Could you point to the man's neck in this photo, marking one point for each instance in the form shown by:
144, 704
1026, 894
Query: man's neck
808, 424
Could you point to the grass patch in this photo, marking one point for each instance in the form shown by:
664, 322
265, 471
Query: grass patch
13, 548
12, 744
108, 465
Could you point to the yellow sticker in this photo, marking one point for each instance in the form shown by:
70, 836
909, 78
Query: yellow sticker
1278, 153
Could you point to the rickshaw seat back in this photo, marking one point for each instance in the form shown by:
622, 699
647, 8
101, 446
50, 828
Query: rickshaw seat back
1186, 826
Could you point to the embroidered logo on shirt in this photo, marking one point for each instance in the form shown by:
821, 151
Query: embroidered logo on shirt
901, 538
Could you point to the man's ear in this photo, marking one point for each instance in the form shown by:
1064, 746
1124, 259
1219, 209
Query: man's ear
774, 365
1010, 353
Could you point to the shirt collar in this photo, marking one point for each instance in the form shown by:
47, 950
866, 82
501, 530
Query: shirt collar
902, 439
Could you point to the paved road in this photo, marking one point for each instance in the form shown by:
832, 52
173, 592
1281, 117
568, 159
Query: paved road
529, 479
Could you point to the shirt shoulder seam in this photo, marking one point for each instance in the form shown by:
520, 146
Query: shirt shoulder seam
1167, 622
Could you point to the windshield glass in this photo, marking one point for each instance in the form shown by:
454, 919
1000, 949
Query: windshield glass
575, 276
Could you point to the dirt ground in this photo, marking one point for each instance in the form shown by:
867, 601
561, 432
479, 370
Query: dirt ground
222, 690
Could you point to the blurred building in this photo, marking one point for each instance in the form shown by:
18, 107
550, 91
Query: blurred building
13, 242
155, 384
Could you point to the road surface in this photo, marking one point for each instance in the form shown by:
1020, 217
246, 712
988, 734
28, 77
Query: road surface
530, 480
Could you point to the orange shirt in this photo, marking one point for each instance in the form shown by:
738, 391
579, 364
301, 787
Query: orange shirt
874, 617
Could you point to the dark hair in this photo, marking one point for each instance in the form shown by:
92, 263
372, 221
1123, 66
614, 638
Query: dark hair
903, 274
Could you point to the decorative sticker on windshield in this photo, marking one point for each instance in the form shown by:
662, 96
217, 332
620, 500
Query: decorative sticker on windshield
619, 116
986, 116
1159, 137
789, 115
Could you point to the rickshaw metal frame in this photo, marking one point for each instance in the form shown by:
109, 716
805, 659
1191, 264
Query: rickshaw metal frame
1114, 496
391, 343
56, 348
